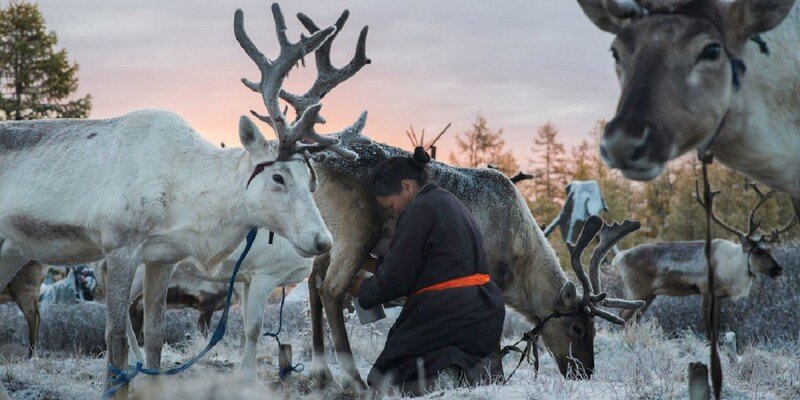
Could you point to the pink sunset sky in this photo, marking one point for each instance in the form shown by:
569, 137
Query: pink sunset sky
518, 63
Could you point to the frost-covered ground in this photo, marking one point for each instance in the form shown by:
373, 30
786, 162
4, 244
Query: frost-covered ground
637, 363
641, 362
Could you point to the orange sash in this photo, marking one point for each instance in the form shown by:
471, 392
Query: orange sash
464, 281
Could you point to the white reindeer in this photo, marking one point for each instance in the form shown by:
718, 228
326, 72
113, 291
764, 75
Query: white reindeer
145, 188
266, 267
679, 268
692, 77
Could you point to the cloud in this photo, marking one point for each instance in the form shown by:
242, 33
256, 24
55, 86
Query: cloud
520, 63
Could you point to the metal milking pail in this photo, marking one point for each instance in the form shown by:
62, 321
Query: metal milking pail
368, 316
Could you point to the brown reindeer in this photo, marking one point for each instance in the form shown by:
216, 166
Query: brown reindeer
679, 268
522, 262
694, 75
24, 290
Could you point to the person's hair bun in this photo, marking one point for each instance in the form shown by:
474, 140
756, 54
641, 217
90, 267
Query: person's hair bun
420, 157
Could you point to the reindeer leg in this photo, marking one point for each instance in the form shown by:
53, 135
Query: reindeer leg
796, 205
241, 294
705, 308
156, 284
10, 264
136, 315
121, 267
204, 320
24, 290
346, 265
3, 393
320, 372
259, 290
135, 351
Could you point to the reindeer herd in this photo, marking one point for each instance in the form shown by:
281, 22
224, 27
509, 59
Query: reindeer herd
145, 196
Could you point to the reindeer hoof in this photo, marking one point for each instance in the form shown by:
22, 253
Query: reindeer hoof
353, 386
321, 377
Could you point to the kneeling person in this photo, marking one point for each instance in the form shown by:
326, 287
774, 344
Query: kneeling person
453, 318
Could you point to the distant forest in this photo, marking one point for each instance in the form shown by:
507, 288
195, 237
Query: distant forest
666, 206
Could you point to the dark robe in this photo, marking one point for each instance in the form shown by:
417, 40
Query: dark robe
436, 239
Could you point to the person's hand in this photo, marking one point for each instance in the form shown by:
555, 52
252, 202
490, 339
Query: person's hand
355, 286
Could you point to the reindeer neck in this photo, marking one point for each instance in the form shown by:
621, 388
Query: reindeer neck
536, 276
213, 218
761, 134
732, 269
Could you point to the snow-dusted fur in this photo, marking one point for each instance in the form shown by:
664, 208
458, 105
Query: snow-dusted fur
143, 188
679, 269
673, 100
266, 267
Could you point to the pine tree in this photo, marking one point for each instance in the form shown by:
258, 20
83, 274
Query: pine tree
36, 79
550, 162
581, 162
481, 146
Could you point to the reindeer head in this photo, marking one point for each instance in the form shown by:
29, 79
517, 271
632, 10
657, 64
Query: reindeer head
279, 190
677, 63
571, 338
754, 242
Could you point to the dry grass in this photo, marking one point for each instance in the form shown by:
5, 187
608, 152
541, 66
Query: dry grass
640, 362
637, 363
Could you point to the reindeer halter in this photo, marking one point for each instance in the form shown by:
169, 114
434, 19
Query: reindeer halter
262, 166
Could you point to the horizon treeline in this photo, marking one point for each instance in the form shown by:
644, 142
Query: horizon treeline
665, 206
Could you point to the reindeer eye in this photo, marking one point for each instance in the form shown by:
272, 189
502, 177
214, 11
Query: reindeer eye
576, 330
615, 54
278, 179
710, 52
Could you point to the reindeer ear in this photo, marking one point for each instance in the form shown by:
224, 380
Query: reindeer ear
566, 296
745, 18
746, 244
251, 138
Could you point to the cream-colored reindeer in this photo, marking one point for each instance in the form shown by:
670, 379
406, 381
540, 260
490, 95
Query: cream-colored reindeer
145, 188
679, 268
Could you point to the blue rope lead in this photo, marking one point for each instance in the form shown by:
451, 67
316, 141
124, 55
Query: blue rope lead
122, 378
299, 367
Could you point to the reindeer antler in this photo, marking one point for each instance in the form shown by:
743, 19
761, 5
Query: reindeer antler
777, 231
752, 225
292, 135
436, 139
762, 198
420, 141
609, 236
521, 176
718, 221
592, 297
328, 76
